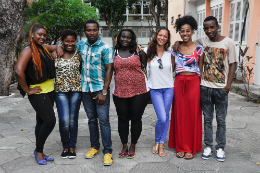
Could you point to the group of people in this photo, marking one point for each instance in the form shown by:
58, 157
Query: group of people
75, 72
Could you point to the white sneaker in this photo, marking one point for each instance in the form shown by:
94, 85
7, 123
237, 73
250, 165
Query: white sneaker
206, 154
220, 155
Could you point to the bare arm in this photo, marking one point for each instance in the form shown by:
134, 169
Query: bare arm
231, 74
80, 68
144, 58
173, 62
176, 45
60, 52
20, 68
54, 55
50, 48
109, 72
201, 60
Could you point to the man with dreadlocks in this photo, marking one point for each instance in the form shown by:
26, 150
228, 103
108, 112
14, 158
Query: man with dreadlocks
35, 71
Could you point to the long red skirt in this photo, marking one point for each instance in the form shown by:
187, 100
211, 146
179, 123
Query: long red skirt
186, 119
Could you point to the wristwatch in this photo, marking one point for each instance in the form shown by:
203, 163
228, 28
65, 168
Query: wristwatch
104, 92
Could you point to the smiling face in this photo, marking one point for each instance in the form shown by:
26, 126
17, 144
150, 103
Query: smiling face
39, 36
186, 32
125, 39
162, 37
69, 43
211, 29
91, 32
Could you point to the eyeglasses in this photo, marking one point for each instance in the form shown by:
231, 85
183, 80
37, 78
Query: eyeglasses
160, 63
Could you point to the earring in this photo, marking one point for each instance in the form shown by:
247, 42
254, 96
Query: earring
32, 36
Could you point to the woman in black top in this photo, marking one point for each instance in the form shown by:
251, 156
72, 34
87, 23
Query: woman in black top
35, 71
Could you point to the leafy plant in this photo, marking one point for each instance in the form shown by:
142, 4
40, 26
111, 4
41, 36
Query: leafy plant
237, 88
58, 15
113, 12
247, 71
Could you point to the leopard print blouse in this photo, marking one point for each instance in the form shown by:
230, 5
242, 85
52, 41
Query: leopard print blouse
68, 74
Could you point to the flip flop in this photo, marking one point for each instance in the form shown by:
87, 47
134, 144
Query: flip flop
122, 154
130, 155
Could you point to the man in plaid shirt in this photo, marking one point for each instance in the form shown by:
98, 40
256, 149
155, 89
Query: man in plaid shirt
97, 67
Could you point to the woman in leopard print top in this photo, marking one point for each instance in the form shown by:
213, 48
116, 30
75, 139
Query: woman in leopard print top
68, 93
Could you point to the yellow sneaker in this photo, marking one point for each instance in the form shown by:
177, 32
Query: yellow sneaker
108, 160
91, 153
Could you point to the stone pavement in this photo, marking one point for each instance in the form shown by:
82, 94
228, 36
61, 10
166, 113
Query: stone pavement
17, 142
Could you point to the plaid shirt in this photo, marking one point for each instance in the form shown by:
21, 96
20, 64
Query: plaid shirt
94, 57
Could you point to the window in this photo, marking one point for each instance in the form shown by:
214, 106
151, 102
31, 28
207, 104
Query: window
236, 20
200, 19
141, 31
217, 12
136, 8
146, 9
105, 32
86, 1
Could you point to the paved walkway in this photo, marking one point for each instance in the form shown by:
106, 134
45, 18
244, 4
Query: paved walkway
17, 142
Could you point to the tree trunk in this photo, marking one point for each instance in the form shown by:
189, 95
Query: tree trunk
156, 15
11, 20
165, 11
109, 25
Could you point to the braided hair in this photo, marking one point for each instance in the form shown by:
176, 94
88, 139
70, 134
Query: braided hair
35, 53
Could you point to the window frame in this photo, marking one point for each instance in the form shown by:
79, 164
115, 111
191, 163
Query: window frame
240, 21
213, 9
200, 30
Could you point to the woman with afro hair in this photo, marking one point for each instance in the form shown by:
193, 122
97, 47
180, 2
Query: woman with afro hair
160, 65
186, 121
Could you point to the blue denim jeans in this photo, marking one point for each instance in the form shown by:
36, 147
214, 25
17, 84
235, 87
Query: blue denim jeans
162, 101
68, 104
211, 97
97, 113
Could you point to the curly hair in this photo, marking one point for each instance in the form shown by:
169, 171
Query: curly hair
185, 20
152, 48
133, 45
68, 32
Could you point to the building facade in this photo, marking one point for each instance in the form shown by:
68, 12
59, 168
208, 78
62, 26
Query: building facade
138, 18
230, 15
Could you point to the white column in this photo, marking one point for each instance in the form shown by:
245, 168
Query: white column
142, 11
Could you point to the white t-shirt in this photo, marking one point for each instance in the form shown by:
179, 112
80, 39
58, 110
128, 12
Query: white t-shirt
160, 78
217, 57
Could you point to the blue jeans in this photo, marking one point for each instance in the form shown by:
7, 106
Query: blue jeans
68, 104
162, 101
219, 98
97, 113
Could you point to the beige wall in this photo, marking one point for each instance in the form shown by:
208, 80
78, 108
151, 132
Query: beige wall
175, 8
253, 31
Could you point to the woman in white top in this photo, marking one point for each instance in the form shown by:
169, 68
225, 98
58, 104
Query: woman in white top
160, 65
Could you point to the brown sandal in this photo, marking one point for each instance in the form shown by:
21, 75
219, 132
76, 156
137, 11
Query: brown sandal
162, 153
180, 154
189, 156
155, 151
